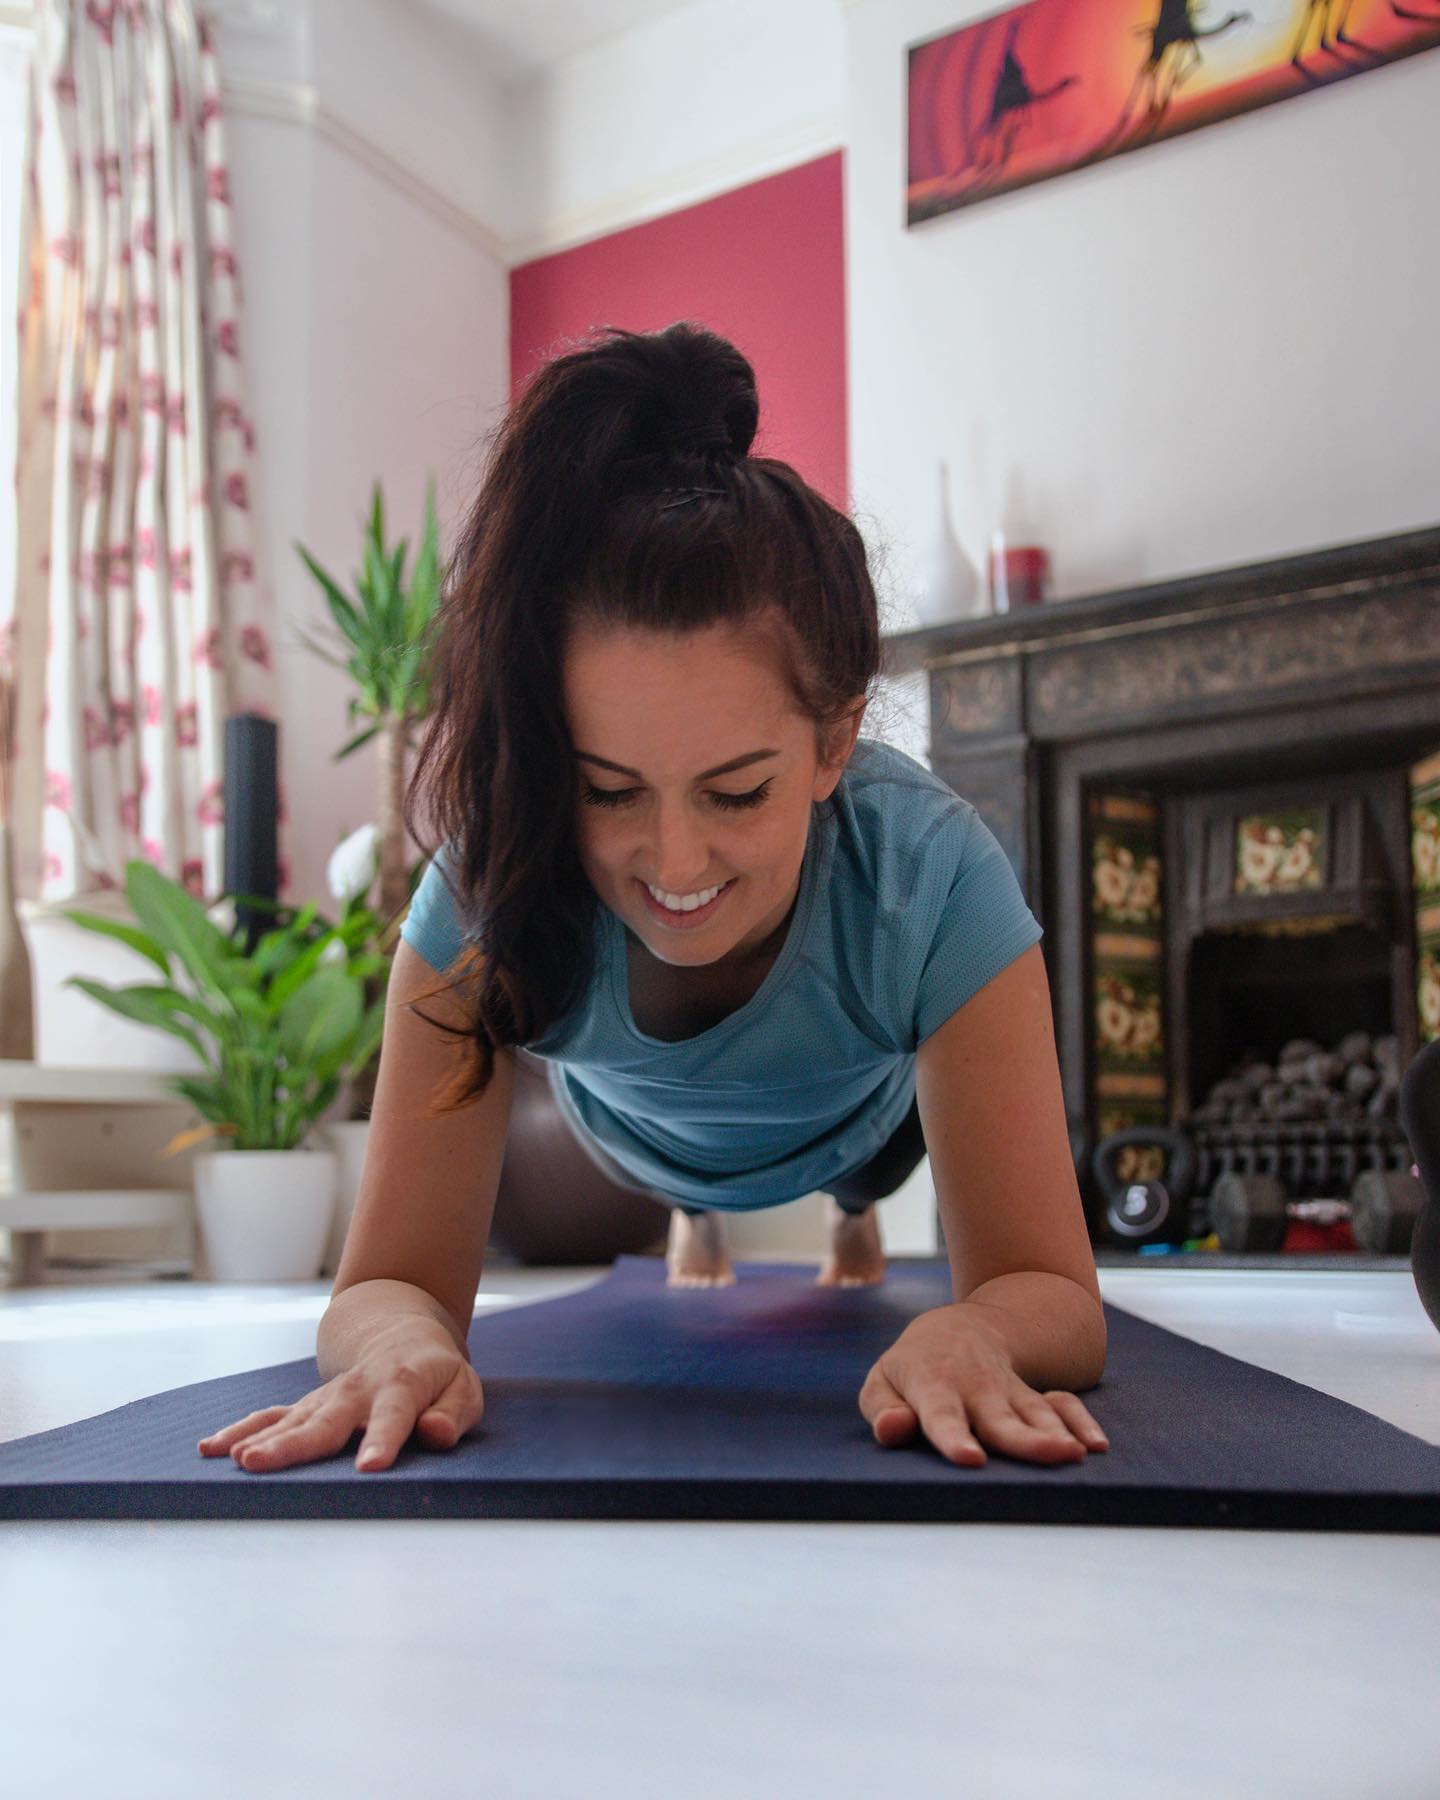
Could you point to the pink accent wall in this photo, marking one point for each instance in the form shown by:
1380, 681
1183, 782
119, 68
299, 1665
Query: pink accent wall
764, 265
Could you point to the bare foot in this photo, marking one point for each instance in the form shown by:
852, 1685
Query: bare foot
696, 1255
856, 1258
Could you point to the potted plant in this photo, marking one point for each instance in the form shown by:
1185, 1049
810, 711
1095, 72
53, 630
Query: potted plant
275, 1030
384, 637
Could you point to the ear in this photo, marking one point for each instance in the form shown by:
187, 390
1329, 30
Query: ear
839, 742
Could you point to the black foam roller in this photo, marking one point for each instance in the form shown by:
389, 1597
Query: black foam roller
252, 806
1420, 1121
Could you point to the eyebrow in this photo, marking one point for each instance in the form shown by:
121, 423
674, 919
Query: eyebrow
740, 762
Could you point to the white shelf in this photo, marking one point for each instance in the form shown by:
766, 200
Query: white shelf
83, 1150
91, 1209
20, 1080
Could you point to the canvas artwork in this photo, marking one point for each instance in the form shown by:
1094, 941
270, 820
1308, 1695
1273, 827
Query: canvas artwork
1058, 84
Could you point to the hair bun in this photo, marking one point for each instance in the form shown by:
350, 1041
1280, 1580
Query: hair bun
696, 395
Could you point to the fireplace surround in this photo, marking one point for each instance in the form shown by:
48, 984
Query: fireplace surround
1215, 793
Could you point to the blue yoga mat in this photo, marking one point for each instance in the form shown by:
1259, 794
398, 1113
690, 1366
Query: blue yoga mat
633, 1400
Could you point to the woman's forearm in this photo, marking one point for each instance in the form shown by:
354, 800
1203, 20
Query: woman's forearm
357, 1315
1052, 1328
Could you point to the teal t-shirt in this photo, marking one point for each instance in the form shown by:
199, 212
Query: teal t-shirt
907, 907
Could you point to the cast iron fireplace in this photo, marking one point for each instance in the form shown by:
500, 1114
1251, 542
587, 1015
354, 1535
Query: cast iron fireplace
1215, 793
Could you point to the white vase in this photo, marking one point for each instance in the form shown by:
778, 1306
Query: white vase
348, 1138
947, 584
264, 1215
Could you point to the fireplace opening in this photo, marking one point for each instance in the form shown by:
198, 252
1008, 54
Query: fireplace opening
1295, 1076
1253, 992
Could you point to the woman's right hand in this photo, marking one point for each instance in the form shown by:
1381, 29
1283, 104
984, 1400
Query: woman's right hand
412, 1377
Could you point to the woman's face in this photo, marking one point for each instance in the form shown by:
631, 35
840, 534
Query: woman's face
656, 720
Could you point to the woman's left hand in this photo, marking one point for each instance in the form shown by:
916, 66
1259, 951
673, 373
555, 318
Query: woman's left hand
951, 1375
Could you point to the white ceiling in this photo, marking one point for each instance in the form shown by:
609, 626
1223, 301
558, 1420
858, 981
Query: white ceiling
522, 37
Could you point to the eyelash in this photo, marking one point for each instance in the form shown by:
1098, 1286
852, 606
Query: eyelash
727, 802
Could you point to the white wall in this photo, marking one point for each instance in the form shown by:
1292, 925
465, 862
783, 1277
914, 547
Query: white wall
702, 100
1208, 352
405, 369
376, 321
424, 91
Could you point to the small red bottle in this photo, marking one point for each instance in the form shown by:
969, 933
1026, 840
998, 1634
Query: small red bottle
1018, 574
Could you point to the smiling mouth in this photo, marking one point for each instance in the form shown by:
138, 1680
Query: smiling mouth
683, 916
683, 902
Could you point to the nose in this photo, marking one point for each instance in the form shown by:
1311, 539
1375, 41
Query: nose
679, 856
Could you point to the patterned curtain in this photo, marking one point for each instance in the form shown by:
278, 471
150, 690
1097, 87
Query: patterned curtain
140, 622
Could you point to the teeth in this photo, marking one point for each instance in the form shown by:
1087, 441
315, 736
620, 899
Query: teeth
687, 904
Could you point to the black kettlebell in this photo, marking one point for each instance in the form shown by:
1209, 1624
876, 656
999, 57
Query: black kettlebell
1147, 1212
1420, 1121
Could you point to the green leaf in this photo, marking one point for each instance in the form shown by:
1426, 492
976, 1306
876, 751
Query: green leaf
368, 1038
397, 562
324, 1095
340, 1059
342, 610
360, 738
424, 583
127, 934
280, 951
406, 682
314, 645
395, 621
377, 517
276, 950
177, 920
319, 1017
297, 972
210, 1098
260, 902
358, 925
251, 1007
382, 585
146, 1006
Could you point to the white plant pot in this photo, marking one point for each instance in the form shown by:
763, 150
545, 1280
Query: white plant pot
264, 1215
348, 1138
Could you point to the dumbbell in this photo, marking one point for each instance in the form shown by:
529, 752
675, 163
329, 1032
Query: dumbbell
1384, 1206
1150, 1211
1420, 1121
1253, 1212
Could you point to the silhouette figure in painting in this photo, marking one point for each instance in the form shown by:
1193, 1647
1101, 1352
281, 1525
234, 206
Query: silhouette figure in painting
1333, 16
1173, 57
1012, 106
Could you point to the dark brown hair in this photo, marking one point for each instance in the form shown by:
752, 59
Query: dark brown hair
620, 492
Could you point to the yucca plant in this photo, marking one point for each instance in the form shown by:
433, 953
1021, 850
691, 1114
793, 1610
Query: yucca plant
383, 643
278, 1027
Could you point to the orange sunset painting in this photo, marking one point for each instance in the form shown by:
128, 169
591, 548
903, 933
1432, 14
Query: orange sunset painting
1052, 86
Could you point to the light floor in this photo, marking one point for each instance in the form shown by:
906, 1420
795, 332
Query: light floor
631, 1659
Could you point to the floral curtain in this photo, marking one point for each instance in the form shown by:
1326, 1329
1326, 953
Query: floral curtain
140, 619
